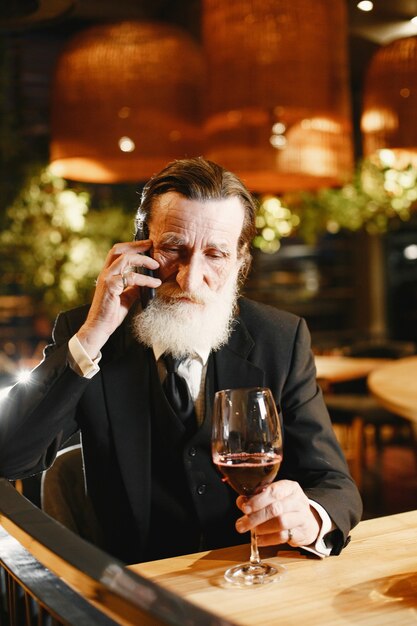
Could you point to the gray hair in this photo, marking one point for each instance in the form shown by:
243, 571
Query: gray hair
201, 180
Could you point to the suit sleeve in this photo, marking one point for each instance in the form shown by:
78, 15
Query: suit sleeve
312, 455
37, 417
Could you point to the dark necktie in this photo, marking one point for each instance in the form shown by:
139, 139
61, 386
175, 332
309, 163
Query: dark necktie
178, 394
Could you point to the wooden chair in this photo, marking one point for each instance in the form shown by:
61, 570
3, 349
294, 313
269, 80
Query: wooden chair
350, 434
64, 496
352, 408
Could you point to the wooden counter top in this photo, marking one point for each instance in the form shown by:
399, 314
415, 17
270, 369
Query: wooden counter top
373, 582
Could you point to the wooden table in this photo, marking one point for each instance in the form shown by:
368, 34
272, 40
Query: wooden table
336, 369
395, 387
372, 583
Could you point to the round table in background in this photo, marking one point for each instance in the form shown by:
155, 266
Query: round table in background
348, 410
336, 369
394, 386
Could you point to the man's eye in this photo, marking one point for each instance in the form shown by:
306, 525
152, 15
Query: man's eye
215, 254
175, 252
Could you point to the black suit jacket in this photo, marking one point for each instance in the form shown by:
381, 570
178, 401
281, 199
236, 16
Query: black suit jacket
267, 347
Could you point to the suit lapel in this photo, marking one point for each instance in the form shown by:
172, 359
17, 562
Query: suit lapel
232, 366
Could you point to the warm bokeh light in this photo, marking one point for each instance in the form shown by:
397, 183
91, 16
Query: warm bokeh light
410, 252
365, 5
273, 221
126, 144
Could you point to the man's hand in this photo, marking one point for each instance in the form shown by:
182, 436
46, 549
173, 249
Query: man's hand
114, 296
281, 507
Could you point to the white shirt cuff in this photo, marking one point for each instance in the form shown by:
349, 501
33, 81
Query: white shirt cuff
319, 547
79, 361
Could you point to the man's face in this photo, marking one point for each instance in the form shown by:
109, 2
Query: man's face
196, 244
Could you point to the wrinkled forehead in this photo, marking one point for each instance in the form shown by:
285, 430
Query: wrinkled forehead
172, 212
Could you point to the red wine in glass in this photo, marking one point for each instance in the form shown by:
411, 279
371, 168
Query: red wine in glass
249, 474
247, 449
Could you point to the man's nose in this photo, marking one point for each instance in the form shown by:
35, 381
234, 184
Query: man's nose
190, 274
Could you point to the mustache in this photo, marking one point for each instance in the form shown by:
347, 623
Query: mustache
174, 293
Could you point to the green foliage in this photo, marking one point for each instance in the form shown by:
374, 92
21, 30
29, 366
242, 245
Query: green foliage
54, 243
377, 198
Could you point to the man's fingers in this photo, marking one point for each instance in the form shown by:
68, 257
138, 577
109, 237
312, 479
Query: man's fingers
126, 265
276, 492
130, 261
127, 247
282, 506
272, 512
130, 278
291, 536
270, 504
123, 247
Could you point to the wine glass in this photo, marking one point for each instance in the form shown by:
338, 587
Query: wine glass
247, 449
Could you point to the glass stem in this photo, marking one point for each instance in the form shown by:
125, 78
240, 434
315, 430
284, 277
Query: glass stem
254, 553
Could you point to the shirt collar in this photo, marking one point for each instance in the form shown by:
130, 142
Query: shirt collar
202, 355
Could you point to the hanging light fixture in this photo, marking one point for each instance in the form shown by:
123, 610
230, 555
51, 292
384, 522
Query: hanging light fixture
126, 99
389, 120
278, 107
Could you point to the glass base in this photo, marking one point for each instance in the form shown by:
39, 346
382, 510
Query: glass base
247, 574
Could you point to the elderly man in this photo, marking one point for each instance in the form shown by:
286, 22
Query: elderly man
148, 473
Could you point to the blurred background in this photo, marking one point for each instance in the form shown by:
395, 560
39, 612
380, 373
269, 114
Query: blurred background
311, 103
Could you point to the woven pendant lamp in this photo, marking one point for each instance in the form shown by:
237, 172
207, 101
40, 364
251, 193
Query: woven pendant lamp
389, 118
278, 106
126, 99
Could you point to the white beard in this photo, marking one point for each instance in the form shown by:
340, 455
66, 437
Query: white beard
182, 328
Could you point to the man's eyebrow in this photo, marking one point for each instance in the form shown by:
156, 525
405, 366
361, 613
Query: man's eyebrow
222, 247
172, 239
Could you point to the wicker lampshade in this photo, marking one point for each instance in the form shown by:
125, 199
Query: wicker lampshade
278, 107
389, 117
126, 99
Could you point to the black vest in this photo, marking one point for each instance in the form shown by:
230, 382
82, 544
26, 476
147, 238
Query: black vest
191, 508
